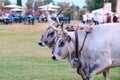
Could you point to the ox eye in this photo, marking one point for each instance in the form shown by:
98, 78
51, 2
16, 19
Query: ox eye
61, 44
51, 34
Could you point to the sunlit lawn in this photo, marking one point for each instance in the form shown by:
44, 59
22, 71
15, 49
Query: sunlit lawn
21, 58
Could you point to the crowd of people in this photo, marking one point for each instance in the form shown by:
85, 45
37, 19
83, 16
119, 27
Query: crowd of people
88, 17
15, 17
99, 18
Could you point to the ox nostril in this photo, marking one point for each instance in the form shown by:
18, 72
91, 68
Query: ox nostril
40, 43
53, 57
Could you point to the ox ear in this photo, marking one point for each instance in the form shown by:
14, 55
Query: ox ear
68, 38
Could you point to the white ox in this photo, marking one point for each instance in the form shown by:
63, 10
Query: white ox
101, 50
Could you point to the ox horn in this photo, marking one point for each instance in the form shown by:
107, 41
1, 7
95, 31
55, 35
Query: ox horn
63, 29
58, 16
51, 22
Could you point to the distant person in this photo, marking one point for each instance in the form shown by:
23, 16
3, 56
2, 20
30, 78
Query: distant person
115, 18
118, 19
95, 19
43, 17
108, 18
1, 18
100, 18
105, 18
84, 18
89, 17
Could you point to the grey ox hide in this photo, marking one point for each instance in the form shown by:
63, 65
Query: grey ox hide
101, 50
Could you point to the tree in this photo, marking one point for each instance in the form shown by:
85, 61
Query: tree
7, 2
113, 4
29, 4
89, 4
47, 1
63, 5
77, 8
1, 4
95, 4
19, 2
81, 12
36, 3
0, 1
98, 4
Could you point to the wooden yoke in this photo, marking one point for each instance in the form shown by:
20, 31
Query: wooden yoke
88, 29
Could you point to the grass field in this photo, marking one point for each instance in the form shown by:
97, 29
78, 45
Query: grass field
21, 58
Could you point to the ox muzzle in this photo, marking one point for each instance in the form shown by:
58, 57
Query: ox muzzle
41, 43
53, 57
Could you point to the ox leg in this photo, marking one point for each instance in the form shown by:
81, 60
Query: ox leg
106, 74
81, 72
96, 68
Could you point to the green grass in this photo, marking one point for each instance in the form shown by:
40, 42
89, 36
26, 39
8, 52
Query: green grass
21, 58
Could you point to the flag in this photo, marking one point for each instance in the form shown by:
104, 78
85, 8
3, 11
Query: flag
33, 4
2, 4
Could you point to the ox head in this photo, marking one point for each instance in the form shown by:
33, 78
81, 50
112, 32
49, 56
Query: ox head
48, 38
64, 45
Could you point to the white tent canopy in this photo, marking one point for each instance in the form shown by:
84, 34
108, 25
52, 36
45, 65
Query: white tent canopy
50, 9
49, 5
12, 6
16, 9
101, 11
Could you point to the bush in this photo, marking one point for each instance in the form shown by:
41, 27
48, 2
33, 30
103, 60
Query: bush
81, 12
67, 13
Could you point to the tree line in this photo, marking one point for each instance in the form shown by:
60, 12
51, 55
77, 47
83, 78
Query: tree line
96, 4
90, 4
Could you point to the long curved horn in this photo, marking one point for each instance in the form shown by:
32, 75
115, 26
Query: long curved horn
51, 22
48, 15
57, 20
58, 16
65, 32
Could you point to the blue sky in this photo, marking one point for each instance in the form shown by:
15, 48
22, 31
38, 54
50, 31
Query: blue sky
79, 3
